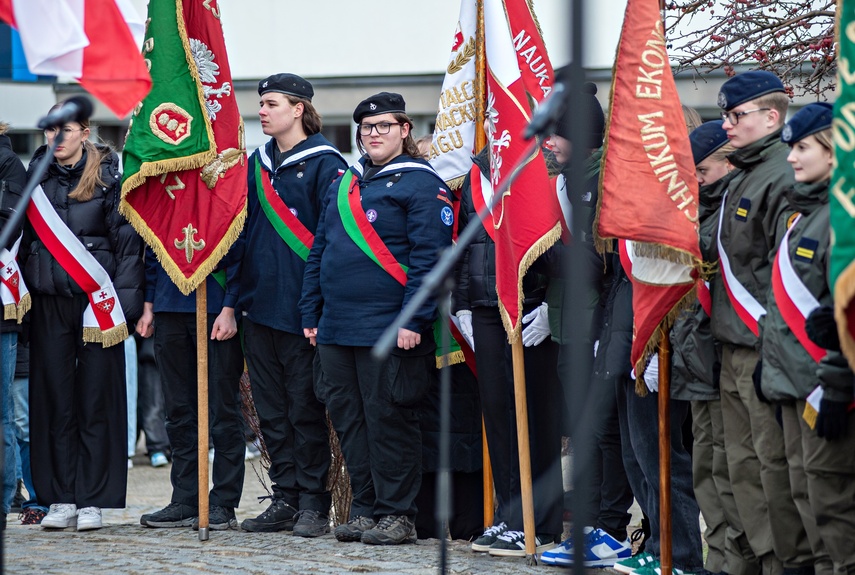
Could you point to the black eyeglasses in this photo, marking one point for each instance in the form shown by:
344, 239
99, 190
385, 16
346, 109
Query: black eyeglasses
382, 128
733, 117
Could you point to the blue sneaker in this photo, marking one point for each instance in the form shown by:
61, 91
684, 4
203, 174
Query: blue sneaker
601, 550
563, 554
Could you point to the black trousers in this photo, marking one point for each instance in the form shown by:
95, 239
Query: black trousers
175, 350
151, 412
293, 422
544, 400
373, 407
78, 415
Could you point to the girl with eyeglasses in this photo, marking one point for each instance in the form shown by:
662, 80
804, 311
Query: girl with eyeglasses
382, 227
83, 265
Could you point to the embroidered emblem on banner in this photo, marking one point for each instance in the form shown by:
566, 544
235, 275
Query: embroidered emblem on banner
171, 123
742, 209
188, 244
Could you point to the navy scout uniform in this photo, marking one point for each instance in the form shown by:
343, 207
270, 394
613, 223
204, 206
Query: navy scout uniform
280, 359
352, 300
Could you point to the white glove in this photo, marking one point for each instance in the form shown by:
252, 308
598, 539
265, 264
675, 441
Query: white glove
464, 317
537, 329
596, 347
651, 374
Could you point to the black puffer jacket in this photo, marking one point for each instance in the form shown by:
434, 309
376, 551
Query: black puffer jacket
476, 270
98, 225
613, 354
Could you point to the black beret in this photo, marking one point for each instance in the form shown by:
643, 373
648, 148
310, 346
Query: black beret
290, 84
809, 120
746, 87
382, 103
706, 139
584, 101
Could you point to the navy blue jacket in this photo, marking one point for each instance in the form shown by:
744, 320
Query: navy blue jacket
346, 295
166, 297
271, 274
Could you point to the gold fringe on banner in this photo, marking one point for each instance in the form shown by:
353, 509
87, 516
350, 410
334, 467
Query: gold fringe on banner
534, 252
452, 358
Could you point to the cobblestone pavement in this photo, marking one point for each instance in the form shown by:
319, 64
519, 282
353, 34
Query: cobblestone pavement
123, 546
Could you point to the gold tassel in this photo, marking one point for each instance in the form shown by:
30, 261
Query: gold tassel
10, 311
452, 358
24, 306
810, 415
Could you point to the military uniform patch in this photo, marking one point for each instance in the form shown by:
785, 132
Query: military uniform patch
742, 209
806, 249
371, 215
447, 215
792, 219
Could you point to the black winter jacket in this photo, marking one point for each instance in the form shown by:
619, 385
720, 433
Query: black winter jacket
476, 270
98, 225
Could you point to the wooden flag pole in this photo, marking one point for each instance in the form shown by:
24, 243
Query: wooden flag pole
202, 403
665, 454
480, 142
524, 451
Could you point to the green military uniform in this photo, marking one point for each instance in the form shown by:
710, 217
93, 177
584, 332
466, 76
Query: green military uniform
754, 219
790, 374
695, 365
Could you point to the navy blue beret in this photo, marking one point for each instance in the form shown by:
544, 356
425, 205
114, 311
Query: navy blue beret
746, 87
809, 120
290, 84
706, 139
382, 103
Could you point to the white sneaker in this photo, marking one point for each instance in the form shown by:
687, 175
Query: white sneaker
89, 518
60, 516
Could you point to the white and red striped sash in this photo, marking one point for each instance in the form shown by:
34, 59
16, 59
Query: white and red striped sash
793, 298
103, 320
746, 306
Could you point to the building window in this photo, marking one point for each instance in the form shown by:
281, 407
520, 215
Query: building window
340, 136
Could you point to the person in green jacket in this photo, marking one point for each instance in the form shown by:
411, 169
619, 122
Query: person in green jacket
753, 220
820, 460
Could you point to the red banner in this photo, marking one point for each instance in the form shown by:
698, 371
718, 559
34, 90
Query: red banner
649, 191
526, 220
185, 159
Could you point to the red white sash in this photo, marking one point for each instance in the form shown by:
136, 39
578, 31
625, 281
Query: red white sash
103, 320
482, 194
13, 291
792, 296
560, 188
704, 296
746, 306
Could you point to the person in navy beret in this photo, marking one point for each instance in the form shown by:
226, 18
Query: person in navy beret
755, 216
381, 229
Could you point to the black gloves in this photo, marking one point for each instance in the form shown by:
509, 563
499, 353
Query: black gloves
755, 377
822, 329
831, 421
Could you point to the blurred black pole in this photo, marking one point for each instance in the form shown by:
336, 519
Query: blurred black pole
578, 364
443, 479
